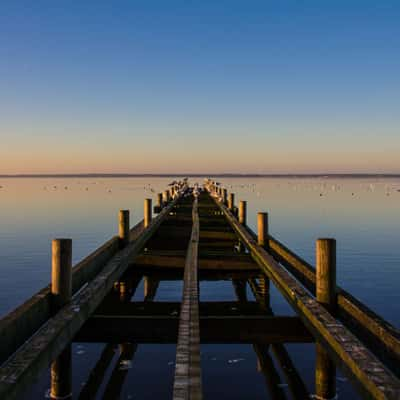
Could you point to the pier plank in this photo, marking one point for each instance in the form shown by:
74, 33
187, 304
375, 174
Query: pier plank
187, 382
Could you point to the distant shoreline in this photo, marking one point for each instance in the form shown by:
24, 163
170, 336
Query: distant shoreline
220, 175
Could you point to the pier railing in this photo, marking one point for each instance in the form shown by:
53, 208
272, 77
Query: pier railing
382, 337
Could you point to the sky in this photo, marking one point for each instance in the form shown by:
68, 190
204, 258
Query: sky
304, 86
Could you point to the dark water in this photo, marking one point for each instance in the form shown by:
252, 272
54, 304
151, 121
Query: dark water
362, 214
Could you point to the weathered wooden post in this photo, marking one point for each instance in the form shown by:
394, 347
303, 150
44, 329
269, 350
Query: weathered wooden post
325, 371
147, 212
243, 212
171, 193
159, 200
326, 273
231, 202
165, 197
61, 272
262, 230
225, 196
123, 227
61, 289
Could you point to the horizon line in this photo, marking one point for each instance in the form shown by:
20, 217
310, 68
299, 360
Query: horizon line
197, 175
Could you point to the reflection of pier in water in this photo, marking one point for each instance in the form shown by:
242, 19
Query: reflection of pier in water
205, 238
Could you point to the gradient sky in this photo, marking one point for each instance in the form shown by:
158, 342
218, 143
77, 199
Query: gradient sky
199, 86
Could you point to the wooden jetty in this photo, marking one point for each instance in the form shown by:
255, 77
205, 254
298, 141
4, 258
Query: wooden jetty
198, 235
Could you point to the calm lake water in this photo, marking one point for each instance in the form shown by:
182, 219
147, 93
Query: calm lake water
362, 214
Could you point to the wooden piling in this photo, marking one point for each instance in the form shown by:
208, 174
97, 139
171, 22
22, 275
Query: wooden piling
61, 289
61, 272
225, 196
325, 370
262, 229
165, 197
231, 202
123, 227
159, 200
243, 212
326, 273
147, 212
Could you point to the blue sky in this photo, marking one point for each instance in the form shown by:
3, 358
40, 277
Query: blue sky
200, 86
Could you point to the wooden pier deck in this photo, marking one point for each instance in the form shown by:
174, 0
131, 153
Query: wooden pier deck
198, 235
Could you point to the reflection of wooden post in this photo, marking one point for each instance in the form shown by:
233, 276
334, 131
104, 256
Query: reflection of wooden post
123, 227
262, 227
120, 371
61, 376
150, 286
231, 201
225, 196
240, 287
159, 200
264, 286
243, 212
326, 295
96, 376
61, 278
147, 212
325, 373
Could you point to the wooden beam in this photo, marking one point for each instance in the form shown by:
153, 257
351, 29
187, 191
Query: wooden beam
213, 329
238, 262
164, 308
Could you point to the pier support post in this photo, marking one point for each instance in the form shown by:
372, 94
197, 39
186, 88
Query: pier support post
262, 230
326, 273
231, 202
61, 289
225, 196
243, 212
61, 272
159, 200
263, 240
325, 370
165, 197
123, 227
147, 212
